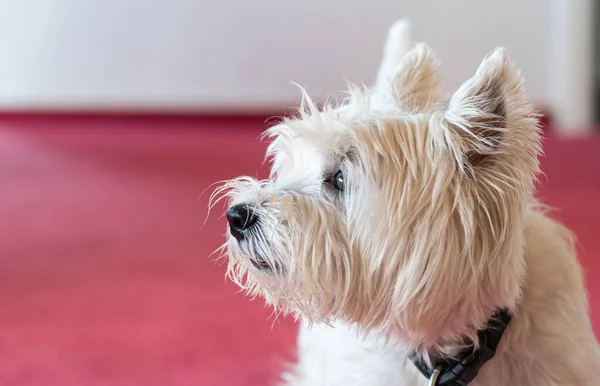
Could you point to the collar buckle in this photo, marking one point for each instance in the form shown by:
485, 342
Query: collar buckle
433, 381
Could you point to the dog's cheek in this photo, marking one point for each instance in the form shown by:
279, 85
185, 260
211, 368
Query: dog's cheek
320, 265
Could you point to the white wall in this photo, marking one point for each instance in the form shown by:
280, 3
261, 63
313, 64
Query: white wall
570, 64
202, 54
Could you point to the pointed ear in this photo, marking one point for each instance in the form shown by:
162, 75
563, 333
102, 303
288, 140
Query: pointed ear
408, 76
490, 112
417, 82
398, 43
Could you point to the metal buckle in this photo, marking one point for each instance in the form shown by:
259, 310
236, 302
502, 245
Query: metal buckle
434, 376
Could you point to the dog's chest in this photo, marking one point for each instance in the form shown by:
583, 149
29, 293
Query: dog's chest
331, 356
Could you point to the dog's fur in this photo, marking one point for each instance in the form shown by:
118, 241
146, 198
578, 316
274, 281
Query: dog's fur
435, 229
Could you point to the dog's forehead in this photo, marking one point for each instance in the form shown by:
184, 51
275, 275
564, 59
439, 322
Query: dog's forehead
309, 146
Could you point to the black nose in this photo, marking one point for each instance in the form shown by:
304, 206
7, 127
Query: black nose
241, 217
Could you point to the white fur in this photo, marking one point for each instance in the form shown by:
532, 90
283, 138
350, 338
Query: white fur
437, 227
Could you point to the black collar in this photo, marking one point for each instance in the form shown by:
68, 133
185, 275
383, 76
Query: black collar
462, 370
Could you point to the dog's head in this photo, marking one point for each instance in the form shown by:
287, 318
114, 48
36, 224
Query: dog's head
396, 210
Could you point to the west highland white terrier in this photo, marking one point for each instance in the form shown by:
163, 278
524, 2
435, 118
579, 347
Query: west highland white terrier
400, 226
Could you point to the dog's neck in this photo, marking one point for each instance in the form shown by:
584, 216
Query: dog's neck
461, 368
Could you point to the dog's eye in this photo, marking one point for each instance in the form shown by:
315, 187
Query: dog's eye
338, 180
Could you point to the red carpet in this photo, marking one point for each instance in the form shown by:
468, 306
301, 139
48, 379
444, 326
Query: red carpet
105, 274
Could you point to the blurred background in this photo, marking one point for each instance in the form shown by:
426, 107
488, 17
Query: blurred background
116, 116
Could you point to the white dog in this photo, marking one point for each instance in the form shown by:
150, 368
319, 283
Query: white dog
401, 227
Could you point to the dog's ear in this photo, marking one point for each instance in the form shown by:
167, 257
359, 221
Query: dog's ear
490, 114
398, 43
416, 82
